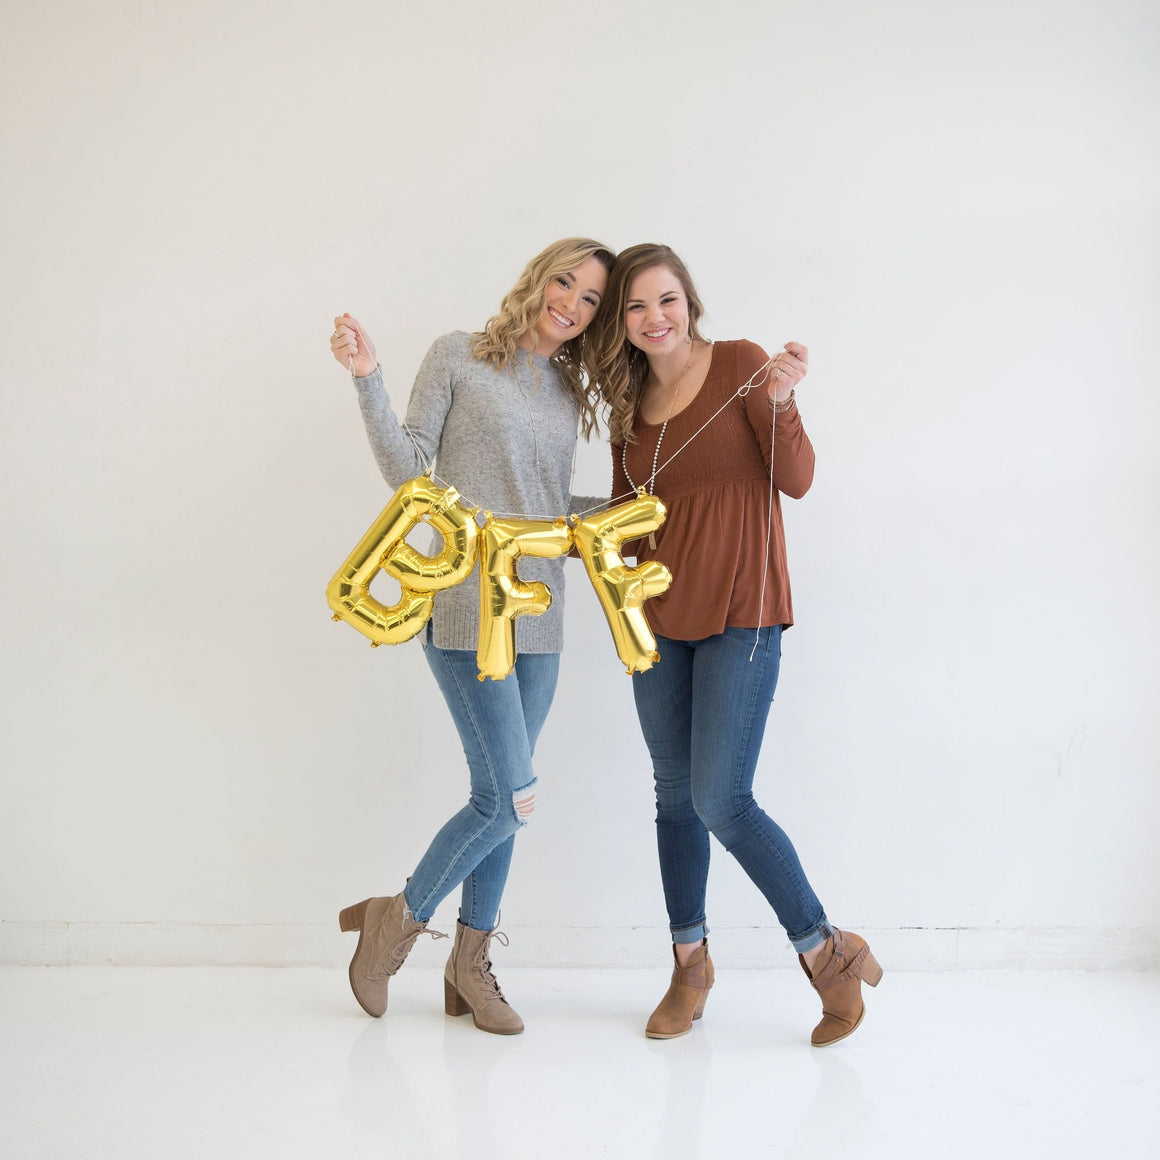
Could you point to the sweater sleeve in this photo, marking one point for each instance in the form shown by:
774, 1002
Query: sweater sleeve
588, 504
780, 434
395, 452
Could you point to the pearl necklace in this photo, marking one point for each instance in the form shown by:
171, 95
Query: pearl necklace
660, 437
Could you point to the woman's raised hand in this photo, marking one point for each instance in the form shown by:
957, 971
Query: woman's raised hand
787, 370
352, 346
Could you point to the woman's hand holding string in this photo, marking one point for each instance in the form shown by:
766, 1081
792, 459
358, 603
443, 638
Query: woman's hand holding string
352, 346
788, 368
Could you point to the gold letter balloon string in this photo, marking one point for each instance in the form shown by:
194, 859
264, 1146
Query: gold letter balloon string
597, 536
499, 543
502, 595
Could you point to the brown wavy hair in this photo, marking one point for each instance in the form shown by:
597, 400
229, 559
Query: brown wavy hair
619, 367
498, 342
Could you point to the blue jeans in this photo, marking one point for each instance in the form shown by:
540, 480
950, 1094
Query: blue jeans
702, 710
498, 723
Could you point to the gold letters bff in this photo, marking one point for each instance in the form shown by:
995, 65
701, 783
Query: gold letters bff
621, 590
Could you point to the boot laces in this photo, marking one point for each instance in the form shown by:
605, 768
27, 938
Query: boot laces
403, 949
483, 961
393, 961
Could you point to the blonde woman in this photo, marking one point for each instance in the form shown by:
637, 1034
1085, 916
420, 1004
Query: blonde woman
498, 412
703, 707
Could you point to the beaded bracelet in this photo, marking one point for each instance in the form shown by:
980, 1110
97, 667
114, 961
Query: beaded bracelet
784, 405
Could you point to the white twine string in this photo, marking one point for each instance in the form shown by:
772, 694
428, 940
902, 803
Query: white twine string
768, 525
739, 393
757, 379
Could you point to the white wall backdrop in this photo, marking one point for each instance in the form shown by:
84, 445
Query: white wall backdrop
954, 205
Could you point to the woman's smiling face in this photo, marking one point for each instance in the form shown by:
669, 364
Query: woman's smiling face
656, 311
570, 303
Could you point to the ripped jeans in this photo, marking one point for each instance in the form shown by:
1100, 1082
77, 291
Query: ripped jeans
498, 723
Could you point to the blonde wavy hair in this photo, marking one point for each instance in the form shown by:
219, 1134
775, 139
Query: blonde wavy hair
498, 342
619, 367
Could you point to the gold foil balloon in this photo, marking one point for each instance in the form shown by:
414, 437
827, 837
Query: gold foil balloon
419, 500
384, 548
623, 590
502, 594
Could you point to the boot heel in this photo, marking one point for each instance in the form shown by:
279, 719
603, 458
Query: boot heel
871, 971
352, 917
453, 1002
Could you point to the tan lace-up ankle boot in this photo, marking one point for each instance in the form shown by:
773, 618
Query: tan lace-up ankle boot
685, 999
470, 987
387, 931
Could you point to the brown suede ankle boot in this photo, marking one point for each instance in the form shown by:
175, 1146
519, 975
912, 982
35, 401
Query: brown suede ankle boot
469, 985
685, 999
387, 931
844, 963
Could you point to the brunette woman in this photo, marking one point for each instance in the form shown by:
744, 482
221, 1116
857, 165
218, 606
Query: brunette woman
714, 430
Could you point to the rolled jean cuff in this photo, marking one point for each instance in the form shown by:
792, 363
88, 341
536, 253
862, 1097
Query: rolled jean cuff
691, 934
815, 938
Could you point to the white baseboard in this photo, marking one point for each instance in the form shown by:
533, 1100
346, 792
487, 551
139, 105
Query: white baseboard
303, 945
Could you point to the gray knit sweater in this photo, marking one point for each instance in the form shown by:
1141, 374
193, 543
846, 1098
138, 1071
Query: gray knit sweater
505, 440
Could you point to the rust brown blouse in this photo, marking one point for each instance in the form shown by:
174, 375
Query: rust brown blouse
717, 494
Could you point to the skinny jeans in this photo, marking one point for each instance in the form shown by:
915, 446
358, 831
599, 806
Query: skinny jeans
498, 724
702, 711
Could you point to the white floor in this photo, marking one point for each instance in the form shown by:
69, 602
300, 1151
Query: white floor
218, 1062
